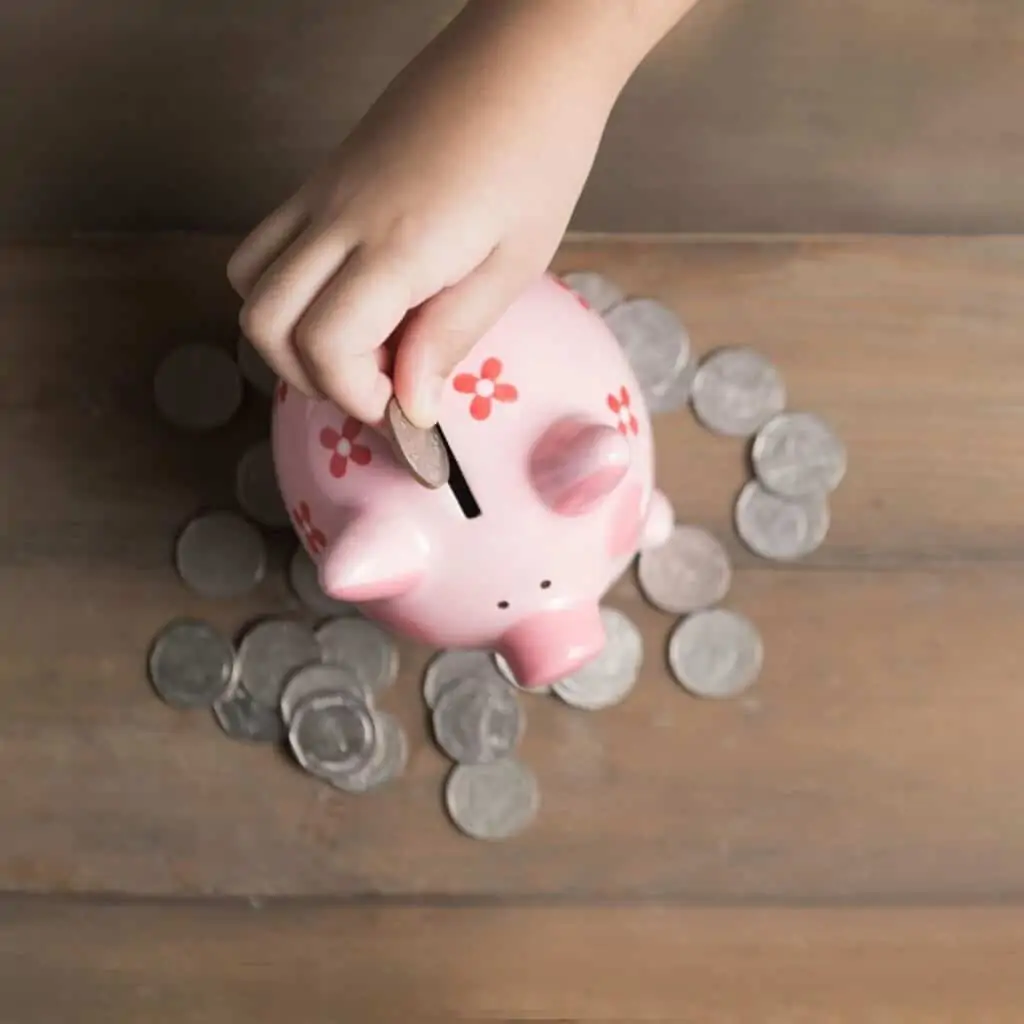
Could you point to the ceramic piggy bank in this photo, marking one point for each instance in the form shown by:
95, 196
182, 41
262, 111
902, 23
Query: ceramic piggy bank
550, 495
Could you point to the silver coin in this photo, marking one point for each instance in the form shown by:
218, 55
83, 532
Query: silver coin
736, 391
715, 653
254, 367
243, 718
257, 489
314, 679
594, 289
305, 584
492, 801
655, 343
332, 734
478, 720
390, 756
362, 647
607, 679
191, 664
447, 667
797, 453
220, 555
782, 529
505, 669
269, 652
675, 392
197, 387
689, 571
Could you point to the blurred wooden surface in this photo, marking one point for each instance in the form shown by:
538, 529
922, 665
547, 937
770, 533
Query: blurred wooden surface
754, 115
877, 763
201, 964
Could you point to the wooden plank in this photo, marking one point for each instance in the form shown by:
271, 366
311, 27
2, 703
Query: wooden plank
794, 115
878, 756
197, 964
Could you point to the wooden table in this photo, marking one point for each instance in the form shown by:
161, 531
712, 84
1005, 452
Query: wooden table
847, 840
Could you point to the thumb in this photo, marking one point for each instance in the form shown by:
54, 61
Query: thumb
444, 329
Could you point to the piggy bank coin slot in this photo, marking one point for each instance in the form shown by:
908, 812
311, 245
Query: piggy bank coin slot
457, 481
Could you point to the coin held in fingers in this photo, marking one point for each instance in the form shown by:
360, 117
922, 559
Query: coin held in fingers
422, 452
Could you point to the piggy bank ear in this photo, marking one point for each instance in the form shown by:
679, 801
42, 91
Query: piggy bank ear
374, 557
577, 464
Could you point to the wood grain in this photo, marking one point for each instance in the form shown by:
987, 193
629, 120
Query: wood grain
877, 759
794, 115
200, 964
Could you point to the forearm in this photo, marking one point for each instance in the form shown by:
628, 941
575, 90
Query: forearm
595, 44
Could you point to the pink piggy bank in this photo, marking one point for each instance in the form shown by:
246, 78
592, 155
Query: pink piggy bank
551, 493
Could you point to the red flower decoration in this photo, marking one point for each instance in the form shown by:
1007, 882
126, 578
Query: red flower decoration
343, 447
485, 389
313, 538
282, 391
622, 409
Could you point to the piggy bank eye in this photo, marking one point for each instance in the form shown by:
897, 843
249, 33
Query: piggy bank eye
544, 584
503, 604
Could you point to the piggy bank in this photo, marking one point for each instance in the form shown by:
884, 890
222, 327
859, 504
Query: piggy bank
550, 495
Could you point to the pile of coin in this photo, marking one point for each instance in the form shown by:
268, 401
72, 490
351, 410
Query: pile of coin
781, 514
478, 723
316, 689
314, 686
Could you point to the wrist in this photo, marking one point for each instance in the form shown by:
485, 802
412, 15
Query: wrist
591, 48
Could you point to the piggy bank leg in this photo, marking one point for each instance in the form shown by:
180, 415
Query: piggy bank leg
550, 645
659, 521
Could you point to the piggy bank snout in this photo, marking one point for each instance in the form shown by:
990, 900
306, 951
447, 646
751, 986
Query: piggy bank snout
550, 645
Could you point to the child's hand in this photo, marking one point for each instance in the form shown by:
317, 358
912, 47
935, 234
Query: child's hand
445, 201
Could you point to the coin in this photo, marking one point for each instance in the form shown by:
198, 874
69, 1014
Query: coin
191, 664
492, 801
715, 653
478, 720
257, 489
254, 368
305, 584
313, 679
242, 718
422, 452
797, 453
594, 289
269, 652
674, 393
390, 756
332, 733
447, 667
779, 528
607, 679
655, 343
689, 571
197, 387
220, 555
736, 391
363, 648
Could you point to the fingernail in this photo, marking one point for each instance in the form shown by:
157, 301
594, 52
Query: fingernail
427, 402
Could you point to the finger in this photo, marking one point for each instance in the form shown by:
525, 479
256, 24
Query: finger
444, 330
264, 244
284, 292
339, 336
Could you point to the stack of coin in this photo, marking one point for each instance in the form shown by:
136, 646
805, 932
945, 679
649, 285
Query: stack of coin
286, 679
478, 723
